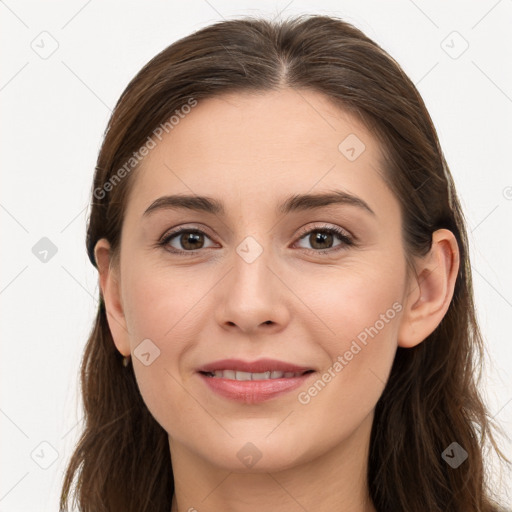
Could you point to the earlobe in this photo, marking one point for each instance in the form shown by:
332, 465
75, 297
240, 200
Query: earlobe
111, 292
430, 294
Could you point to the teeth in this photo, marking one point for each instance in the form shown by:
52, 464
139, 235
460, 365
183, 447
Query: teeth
260, 376
228, 374
238, 375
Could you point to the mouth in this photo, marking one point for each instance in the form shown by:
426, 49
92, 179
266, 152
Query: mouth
253, 383
262, 369
244, 376
251, 388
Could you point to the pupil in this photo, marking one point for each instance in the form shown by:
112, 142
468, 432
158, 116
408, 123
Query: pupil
322, 238
189, 240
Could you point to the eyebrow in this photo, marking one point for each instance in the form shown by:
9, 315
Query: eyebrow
297, 202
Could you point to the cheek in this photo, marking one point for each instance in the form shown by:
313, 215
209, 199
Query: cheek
354, 300
161, 304
360, 310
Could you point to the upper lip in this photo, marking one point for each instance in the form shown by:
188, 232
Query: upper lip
259, 366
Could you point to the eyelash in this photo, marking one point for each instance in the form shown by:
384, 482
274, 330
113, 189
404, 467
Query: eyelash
347, 240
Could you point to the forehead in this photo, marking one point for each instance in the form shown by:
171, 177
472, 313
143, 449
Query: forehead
261, 144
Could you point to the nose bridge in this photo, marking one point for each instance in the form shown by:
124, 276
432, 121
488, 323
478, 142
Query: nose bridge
250, 282
251, 261
251, 295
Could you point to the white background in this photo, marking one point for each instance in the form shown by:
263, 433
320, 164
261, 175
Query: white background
54, 112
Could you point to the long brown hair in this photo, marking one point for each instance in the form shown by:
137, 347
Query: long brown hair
122, 460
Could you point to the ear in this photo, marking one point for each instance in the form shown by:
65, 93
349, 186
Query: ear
431, 292
111, 292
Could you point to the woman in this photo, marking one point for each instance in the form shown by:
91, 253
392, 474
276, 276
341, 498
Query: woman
286, 318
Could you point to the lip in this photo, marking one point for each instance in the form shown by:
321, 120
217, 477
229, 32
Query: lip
253, 391
259, 366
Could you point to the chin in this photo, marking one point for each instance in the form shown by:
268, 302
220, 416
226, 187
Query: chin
256, 454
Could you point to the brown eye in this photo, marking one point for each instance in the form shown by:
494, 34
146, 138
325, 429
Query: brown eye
185, 240
322, 240
191, 241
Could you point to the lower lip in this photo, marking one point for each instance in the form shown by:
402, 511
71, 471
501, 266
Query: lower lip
253, 391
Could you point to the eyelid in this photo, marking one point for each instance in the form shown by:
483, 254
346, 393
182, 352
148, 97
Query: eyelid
185, 227
328, 227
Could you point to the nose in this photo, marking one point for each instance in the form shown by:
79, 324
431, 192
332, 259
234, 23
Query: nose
252, 298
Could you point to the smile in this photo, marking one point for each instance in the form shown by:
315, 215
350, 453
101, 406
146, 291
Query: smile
243, 376
253, 388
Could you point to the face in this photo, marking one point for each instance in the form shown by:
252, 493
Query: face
315, 283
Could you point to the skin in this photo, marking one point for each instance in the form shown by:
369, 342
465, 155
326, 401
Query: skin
252, 151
